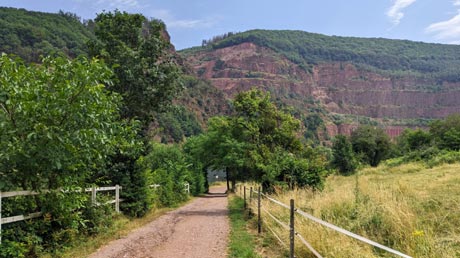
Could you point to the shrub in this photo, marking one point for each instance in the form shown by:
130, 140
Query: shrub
343, 157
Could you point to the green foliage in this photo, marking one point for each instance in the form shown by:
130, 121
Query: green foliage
34, 34
312, 123
394, 57
57, 122
258, 142
168, 167
58, 125
343, 156
178, 123
141, 56
446, 133
371, 144
414, 140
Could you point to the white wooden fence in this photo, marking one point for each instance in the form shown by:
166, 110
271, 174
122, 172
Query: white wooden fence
93, 191
186, 185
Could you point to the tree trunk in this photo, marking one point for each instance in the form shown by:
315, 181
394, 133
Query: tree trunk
228, 182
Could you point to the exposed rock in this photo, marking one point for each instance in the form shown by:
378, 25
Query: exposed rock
341, 88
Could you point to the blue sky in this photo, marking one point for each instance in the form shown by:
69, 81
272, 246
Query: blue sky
191, 21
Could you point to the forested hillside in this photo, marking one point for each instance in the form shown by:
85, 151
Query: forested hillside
336, 83
378, 54
32, 34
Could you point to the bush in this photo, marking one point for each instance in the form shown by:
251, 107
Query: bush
343, 157
167, 166
371, 144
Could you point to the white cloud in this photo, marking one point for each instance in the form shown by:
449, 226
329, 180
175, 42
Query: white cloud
446, 30
395, 12
172, 22
120, 4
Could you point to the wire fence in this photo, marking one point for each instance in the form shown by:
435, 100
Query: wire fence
291, 226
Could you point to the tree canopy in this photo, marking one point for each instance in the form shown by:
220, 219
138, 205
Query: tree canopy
446, 133
343, 156
139, 51
57, 121
259, 142
372, 144
33, 34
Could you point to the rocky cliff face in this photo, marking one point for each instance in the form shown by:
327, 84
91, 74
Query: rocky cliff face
339, 88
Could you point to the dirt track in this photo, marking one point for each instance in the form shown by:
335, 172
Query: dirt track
198, 229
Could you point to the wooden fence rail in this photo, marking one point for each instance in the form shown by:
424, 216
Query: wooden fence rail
186, 185
93, 191
293, 210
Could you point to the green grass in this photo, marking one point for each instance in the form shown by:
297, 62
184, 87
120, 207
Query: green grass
242, 243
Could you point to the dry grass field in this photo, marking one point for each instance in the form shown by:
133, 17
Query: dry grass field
411, 208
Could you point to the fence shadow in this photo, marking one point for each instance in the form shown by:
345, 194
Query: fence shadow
214, 195
205, 213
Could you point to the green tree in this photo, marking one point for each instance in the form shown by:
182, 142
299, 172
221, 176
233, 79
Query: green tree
257, 142
372, 144
414, 140
139, 51
343, 156
58, 126
57, 122
446, 133
31, 35
169, 167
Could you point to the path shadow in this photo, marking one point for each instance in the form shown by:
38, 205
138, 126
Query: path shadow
214, 195
206, 213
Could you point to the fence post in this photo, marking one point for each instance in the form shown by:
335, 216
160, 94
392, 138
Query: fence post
250, 196
93, 195
259, 223
187, 188
292, 231
244, 197
240, 189
117, 198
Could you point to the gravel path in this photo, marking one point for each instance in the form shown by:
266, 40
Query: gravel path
198, 229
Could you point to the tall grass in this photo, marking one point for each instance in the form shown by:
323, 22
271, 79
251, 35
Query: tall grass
410, 208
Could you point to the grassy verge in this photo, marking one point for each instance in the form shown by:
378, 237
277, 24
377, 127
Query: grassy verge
242, 243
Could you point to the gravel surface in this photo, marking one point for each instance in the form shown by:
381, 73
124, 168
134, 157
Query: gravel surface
198, 229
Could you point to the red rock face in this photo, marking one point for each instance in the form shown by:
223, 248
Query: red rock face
347, 129
341, 87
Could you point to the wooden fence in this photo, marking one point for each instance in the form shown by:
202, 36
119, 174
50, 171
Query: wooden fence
93, 191
186, 185
290, 226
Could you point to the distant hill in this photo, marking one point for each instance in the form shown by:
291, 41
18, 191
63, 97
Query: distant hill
378, 54
334, 83
31, 34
